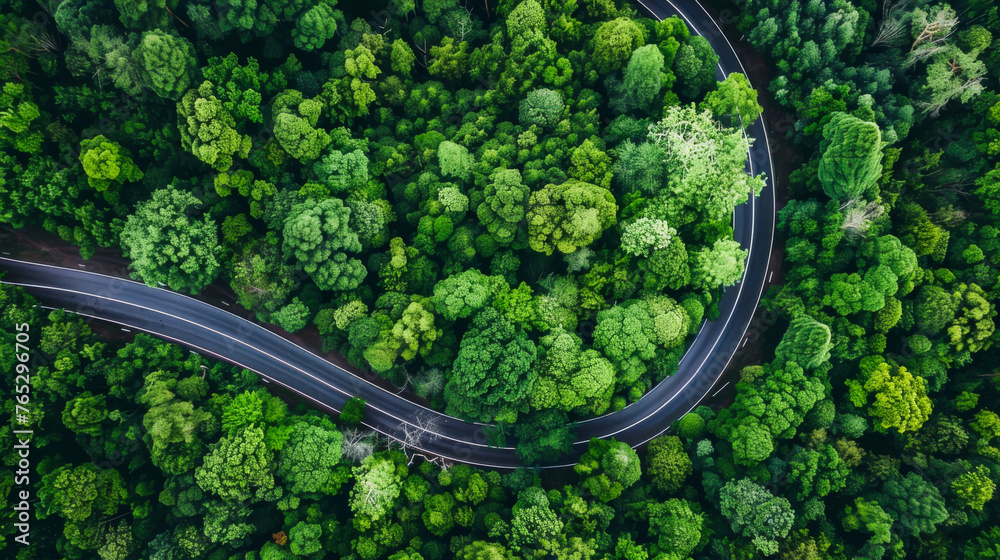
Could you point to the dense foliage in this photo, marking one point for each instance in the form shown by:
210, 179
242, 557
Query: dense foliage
444, 193
520, 211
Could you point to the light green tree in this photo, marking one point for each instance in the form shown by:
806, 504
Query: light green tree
951, 74
402, 57
455, 160
207, 129
415, 331
704, 164
526, 17
719, 265
671, 321
614, 42
900, 399
569, 376
19, 125
107, 165
168, 245
376, 487
974, 488
646, 235
169, 63
239, 468
569, 216
735, 98
590, 164
542, 107
295, 129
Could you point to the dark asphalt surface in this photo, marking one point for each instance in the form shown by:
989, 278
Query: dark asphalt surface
215, 332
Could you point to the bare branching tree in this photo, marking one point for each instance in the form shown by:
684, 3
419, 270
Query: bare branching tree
358, 444
429, 383
923, 53
895, 22
859, 216
937, 26
423, 428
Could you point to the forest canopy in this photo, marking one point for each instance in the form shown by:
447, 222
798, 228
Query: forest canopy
518, 212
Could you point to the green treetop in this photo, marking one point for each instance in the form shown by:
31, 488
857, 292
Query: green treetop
609, 467
614, 42
852, 161
316, 234
900, 399
493, 374
295, 129
309, 457
168, 245
107, 164
315, 27
735, 98
207, 129
569, 216
704, 162
806, 342
756, 514
377, 486
169, 62
570, 377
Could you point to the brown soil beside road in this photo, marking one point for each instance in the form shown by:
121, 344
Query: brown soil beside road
34, 244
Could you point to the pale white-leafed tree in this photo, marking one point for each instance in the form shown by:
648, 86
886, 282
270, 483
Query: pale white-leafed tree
705, 163
893, 27
858, 217
358, 444
376, 488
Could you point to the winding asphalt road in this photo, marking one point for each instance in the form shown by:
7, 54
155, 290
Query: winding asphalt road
215, 332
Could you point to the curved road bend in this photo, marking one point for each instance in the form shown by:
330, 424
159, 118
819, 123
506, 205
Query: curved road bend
215, 332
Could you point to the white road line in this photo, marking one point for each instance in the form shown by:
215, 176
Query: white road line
753, 202
242, 321
268, 379
747, 339
720, 389
126, 330
771, 179
771, 277
273, 357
